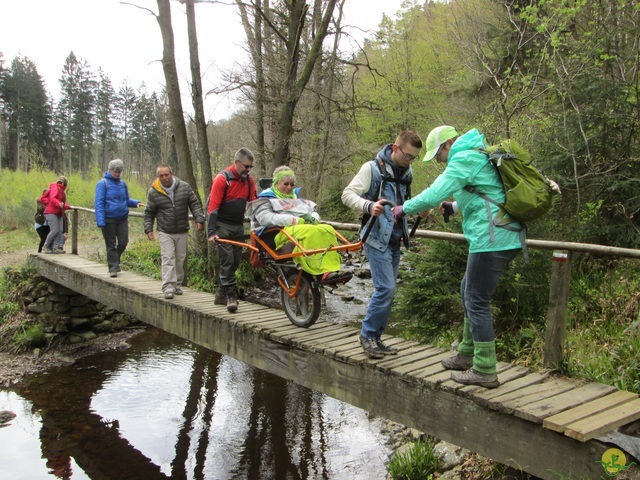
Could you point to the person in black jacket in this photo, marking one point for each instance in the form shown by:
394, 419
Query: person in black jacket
169, 201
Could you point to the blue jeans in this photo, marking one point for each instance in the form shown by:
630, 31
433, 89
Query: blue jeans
116, 238
384, 272
478, 284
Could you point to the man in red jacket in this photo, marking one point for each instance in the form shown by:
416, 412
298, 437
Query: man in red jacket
231, 189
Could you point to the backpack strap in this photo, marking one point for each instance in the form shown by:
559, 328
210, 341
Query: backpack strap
500, 221
386, 177
229, 177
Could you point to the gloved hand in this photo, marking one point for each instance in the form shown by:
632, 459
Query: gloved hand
447, 210
398, 212
309, 219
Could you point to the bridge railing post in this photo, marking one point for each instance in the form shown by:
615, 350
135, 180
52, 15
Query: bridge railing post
74, 231
557, 312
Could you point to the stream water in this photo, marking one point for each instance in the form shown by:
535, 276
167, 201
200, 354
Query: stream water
166, 408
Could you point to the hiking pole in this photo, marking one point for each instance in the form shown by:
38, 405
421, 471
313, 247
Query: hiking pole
415, 227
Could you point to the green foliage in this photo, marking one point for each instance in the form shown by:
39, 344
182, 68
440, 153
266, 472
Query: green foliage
13, 283
20, 190
430, 295
604, 308
197, 273
17, 332
417, 463
144, 257
330, 204
29, 337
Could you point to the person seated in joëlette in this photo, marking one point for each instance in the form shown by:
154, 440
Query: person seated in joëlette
282, 206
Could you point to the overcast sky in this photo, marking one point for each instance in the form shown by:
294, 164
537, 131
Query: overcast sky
125, 40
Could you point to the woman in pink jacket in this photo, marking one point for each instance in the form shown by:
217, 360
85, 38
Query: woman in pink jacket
55, 202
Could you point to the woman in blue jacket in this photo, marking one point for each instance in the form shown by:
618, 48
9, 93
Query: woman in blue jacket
112, 203
491, 248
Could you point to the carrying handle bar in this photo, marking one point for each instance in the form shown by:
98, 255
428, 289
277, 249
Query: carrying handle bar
373, 221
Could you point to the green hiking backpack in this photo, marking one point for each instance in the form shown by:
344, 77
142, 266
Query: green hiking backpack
527, 190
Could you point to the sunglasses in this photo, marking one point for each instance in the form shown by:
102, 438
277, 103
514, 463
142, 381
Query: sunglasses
247, 167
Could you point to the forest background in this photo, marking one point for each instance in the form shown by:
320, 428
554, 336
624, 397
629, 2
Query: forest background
561, 76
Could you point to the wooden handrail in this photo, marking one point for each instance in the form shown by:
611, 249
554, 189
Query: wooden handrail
560, 276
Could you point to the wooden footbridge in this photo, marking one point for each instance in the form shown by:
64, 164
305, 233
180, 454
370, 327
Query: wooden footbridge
551, 427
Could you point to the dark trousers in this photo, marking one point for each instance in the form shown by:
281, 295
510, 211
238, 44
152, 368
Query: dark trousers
229, 256
116, 238
43, 231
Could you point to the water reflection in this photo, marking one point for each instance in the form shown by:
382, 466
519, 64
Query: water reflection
168, 409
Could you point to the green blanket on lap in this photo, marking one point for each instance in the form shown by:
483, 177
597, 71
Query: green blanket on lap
312, 237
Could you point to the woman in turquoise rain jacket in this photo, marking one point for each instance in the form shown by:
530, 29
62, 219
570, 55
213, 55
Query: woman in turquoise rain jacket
491, 248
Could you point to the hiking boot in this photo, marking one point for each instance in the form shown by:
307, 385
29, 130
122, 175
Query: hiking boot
221, 297
473, 377
178, 291
113, 274
458, 362
370, 347
232, 299
47, 250
386, 349
59, 250
168, 294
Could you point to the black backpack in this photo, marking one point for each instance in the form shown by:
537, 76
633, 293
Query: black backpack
39, 216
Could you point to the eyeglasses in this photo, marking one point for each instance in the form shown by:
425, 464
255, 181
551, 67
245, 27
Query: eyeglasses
438, 151
288, 184
247, 167
407, 157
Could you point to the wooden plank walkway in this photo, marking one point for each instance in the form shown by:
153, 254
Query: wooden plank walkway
543, 424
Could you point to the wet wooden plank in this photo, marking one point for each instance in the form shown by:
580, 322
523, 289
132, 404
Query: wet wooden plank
248, 319
342, 343
426, 358
428, 373
304, 334
559, 422
327, 337
268, 322
604, 422
528, 380
247, 307
538, 392
508, 402
538, 411
417, 368
504, 377
450, 385
408, 357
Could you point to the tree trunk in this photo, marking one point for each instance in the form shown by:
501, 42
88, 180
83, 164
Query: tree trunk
294, 84
255, 42
176, 113
196, 99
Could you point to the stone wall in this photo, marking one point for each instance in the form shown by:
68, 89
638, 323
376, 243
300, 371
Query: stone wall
69, 317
